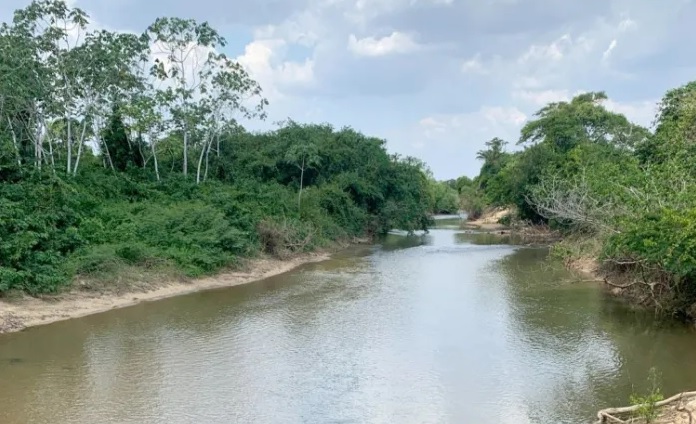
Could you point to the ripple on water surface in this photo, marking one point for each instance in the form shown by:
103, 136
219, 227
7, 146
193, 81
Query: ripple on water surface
444, 327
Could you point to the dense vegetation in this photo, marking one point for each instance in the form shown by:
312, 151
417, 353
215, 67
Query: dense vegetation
120, 157
621, 193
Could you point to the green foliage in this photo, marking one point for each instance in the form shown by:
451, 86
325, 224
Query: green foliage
494, 160
564, 125
98, 223
505, 220
122, 151
472, 201
68, 212
647, 408
38, 229
590, 172
444, 198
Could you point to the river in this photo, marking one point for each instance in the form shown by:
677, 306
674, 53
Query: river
448, 327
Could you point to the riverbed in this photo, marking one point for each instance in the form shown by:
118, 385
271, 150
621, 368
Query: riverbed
447, 327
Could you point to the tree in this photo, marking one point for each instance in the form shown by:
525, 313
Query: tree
228, 93
444, 198
304, 156
123, 151
675, 132
494, 158
111, 58
64, 73
495, 149
563, 125
185, 48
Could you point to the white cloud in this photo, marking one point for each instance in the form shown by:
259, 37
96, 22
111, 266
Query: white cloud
395, 43
362, 12
264, 60
500, 115
451, 140
639, 112
306, 28
544, 97
487, 120
541, 97
474, 65
627, 24
554, 51
607, 52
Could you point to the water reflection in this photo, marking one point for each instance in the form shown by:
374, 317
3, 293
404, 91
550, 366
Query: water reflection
444, 327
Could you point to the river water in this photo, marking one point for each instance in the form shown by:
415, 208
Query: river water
447, 327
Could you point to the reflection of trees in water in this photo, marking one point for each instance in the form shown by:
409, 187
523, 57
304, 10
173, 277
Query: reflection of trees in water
485, 238
391, 242
558, 336
646, 341
601, 349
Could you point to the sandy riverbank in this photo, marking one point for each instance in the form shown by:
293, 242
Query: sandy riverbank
488, 221
19, 314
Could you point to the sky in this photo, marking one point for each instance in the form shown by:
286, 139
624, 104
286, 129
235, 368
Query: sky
437, 78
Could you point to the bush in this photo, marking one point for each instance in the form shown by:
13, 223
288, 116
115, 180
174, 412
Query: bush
283, 238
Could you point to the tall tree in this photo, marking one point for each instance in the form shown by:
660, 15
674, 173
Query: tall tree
494, 158
183, 48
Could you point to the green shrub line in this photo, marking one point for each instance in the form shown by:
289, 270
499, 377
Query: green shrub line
98, 224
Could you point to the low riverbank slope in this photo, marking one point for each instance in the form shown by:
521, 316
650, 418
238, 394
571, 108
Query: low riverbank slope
26, 311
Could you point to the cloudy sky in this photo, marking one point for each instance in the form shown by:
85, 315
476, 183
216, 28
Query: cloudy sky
437, 78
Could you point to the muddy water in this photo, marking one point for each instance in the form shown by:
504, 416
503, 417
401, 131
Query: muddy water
443, 328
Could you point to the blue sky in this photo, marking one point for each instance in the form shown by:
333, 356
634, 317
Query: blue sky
437, 78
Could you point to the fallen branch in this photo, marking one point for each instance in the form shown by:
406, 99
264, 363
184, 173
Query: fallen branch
609, 413
619, 286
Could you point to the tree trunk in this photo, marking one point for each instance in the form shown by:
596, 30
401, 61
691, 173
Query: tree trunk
37, 148
50, 152
14, 142
299, 196
79, 148
68, 147
200, 162
207, 157
185, 152
107, 154
154, 157
47, 136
